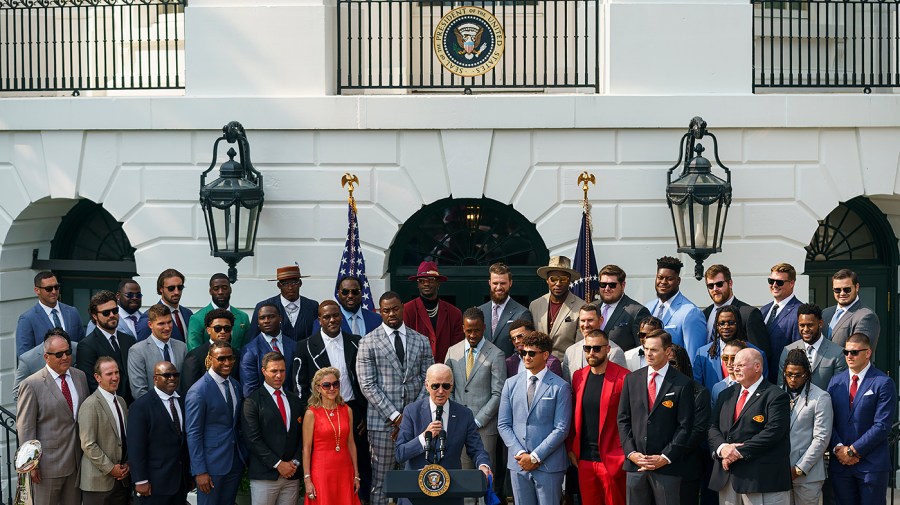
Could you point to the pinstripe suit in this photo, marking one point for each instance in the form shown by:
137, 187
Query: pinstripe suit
389, 386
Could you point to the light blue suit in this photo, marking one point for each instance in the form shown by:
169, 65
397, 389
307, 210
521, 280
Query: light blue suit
683, 321
34, 324
540, 430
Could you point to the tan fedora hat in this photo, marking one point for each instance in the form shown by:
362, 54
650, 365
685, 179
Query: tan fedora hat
291, 272
560, 263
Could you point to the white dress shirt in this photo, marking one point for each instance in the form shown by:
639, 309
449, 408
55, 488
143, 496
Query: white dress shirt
287, 406
48, 310
291, 315
111, 402
334, 347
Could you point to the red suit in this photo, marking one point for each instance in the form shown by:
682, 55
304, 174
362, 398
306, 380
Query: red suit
449, 330
606, 479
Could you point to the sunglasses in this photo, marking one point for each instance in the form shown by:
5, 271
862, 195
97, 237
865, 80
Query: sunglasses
556, 279
610, 285
728, 358
223, 359
330, 385
846, 290
133, 295
290, 282
717, 284
593, 348
171, 289
219, 328
726, 323
107, 312
60, 354
777, 282
795, 375
51, 289
353, 292
446, 386
426, 280
847, 352
530, 354
168, 375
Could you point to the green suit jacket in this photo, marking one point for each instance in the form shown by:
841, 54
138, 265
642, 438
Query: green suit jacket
197, 330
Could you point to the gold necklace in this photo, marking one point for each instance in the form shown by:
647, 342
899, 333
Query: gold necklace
337, 432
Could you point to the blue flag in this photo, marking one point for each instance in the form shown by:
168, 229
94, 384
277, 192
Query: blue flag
352, 261
585, 262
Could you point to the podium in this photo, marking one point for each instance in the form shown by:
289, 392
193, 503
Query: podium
463, 484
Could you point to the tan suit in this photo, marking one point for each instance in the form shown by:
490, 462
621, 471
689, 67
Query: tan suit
98, 426
565, 328
43, 415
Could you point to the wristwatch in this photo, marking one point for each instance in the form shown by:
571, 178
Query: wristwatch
798, 472
534, 459
851, 452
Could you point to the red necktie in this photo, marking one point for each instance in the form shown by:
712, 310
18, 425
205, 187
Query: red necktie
740, 404
175, 314
68, 394
281, 407
724, 368
275, 346
651, 389
854, 384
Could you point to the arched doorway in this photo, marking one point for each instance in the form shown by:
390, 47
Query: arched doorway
464, 236
89, 252
858, 236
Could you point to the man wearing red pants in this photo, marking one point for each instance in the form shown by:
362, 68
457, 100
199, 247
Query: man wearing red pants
593, 444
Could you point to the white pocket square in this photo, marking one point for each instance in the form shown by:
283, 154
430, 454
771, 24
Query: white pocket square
869, 392
670, 394
547, 398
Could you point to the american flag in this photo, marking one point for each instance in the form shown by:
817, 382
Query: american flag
585, 262
352, 261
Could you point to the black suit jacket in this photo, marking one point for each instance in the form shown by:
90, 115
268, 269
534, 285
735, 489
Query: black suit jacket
668, 427
268, 440
624, 323
697, 451
764, 429
94, 346
156, 452
195, 366
303, 328
754, 326
310, 357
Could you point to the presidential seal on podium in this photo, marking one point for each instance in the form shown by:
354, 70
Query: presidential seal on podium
468, 41
434, 480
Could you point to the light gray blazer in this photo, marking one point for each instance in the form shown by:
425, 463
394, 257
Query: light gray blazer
143, 357
575, 359
30, 362
858, 319
811, 424
481, 392
828, 362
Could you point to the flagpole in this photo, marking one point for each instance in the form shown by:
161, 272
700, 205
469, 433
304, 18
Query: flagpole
352, 261
585, 179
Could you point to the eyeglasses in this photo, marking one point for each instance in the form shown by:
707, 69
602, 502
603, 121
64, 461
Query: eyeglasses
854, 352
530, 354
223, 359
777, 282
593, 348
133, 295
290, 282
107, 312
353, 292
717, 284
557, 279
446, 386
728, 358
726, 323
51, 289
60, 354
330, 385
610, 285
795, 375
171, 289
426, 280
219, 328
846, 290
168, 375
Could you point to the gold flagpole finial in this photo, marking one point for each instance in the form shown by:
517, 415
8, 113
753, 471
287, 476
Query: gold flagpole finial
348, 181
583, 180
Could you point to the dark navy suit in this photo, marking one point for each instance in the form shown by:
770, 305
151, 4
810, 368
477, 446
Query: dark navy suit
301, 329
251, 361
34, 324
462, 433
142, 327
783, 331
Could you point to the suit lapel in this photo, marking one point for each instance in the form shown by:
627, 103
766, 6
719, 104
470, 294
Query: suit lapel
479, 361
664, 388
845, 318
564, 311
538, 393
616, 314
608, 386
110, 415
315, 346
56, 392
543, 308
861, 390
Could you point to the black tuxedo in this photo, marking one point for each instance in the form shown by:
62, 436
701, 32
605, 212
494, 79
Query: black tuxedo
95, 346
195, 366
268, 440
764, 429
309, 312
754, 326
156, 452
668, 427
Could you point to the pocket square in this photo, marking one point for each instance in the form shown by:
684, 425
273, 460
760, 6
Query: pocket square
670, 394
623, 323
547, 398
869, 392
671, 326
568, 319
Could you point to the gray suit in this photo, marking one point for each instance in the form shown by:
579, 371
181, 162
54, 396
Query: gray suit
624, 323
565, 327
811, 423
828, 362
43, 415
143, 356
481, 391
100, 441
576, 360
500, 336
858, 319
32, 361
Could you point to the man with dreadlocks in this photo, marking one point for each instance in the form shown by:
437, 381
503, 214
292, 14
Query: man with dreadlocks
811, 423
708, 366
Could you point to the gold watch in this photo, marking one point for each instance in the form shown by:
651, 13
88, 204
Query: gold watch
798, 472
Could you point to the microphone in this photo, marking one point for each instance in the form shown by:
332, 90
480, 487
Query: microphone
442, 439
428, 448
439, 414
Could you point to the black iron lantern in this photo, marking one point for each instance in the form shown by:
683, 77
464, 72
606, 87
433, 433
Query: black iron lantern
698, 199
232, 203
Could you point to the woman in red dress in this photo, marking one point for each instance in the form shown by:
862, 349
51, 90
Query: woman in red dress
329, 452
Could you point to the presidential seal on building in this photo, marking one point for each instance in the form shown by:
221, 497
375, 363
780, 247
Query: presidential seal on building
468, 41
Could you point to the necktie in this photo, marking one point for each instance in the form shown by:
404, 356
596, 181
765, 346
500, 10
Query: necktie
398, 347
651, 389
55, 314
810, 351
275, 346
834, 320
176, 316
660, 311
228, 400
356, 328
281, 408
740, 404
176, 421
115, 345
854, 384
470, 362
166, 355
605, 315
771, 322
64, 386
121, 431
439, 414
495, 319
133, 318
532, 385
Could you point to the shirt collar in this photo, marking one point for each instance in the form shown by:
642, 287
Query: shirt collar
434, 406
390, 331
171, 308
855, 300
477, 347
105, 333
53, 372
612, 306
730, 301
753, 387
816, 345
159, 343
270, 389
285, 302
662, 371
48, 309
540, 375
110, 397
337, 340
784, 302
347, 314
862, 373
216, 377
163, 396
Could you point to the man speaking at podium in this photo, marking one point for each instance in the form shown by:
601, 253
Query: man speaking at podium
435, 429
